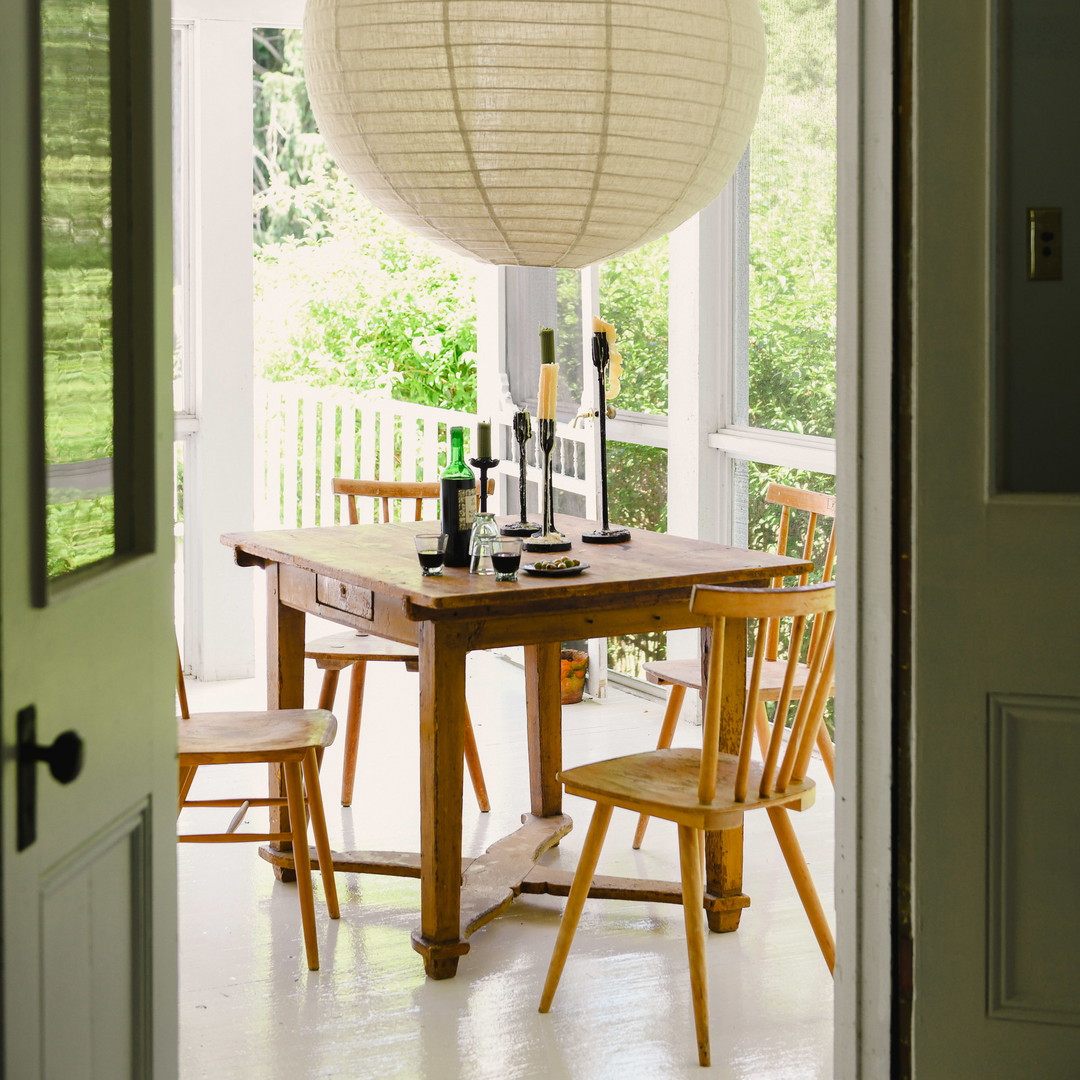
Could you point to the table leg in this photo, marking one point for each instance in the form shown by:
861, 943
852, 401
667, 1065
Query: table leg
724, 850
543, 704
442, 744
284, 690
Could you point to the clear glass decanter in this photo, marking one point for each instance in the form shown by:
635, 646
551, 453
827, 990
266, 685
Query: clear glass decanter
484, 531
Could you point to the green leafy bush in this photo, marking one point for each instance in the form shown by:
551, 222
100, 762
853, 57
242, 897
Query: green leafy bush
344, 296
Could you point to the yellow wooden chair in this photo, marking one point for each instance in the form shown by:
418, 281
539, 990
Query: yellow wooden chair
683, 675
706, 790
348, 649
290, 738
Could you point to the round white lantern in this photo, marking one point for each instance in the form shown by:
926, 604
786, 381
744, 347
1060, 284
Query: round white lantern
536, 132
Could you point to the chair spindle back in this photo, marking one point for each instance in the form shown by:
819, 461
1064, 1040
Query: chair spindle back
816, 505
803, 604
386, 490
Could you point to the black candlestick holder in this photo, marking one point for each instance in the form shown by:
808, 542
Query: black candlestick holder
522, 434
484, 529
483, 464
606, 534
547, 540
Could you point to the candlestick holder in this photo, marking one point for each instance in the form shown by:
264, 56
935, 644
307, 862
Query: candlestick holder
484, 529
547, 540
483, 465
522, 434
601, 355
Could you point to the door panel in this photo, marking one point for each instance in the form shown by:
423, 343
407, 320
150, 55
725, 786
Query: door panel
1033, 932
88, 908
95, 919
994, 552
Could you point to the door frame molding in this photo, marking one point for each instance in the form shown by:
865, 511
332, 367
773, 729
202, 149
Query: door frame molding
865, 1035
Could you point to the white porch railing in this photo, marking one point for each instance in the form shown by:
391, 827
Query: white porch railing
305, 436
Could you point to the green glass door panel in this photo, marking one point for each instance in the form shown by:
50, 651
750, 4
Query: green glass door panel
76, 118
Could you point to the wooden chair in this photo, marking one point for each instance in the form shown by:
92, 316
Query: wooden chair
338, 651
683, 675
707, 790
290, 738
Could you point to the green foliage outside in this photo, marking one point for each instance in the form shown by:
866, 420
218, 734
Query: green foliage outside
634, 299
793, 224
343, 296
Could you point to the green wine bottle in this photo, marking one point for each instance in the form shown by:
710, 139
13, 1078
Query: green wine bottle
458, 494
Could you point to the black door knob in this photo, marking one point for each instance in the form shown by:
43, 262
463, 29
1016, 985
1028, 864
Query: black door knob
64, 756
65, 760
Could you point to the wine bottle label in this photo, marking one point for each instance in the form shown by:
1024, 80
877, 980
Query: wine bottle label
466, 508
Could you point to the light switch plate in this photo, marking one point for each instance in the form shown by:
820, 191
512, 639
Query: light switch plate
1044, 243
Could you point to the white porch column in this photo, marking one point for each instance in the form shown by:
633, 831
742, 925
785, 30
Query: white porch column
700, 321
219, 476
492, 385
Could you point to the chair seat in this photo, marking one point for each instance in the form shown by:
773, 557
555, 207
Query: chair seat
344, 649
688, 673
664, 783
237, 737
675, 672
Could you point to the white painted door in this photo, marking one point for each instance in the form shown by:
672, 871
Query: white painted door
88, 866
995, 552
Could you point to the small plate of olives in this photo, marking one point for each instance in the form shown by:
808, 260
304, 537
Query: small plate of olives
563, 567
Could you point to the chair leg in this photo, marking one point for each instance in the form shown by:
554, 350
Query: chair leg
693, 891
328, 690
352, 730
327, 693
472, 759
828, 751
352, 741
294, 788
667, 733
187, 777
318, 827
804, 883
579, 890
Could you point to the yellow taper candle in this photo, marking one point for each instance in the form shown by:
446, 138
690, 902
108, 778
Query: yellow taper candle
615, 361
549, 377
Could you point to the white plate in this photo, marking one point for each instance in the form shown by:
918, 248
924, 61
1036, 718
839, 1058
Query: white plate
563, 571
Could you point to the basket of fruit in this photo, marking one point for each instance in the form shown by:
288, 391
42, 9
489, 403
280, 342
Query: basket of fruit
575, 666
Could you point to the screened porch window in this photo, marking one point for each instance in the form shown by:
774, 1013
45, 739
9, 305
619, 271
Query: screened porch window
727, 326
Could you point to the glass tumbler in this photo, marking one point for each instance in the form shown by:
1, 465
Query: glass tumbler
506, 557
431, 550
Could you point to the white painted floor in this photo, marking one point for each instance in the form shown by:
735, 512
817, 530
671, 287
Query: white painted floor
249, 1008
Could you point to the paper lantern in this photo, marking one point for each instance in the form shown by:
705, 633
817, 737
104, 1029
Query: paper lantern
536, 132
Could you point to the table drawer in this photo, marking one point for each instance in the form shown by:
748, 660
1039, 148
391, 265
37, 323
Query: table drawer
343, 596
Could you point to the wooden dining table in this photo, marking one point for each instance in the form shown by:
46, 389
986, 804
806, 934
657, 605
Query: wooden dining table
368, 577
